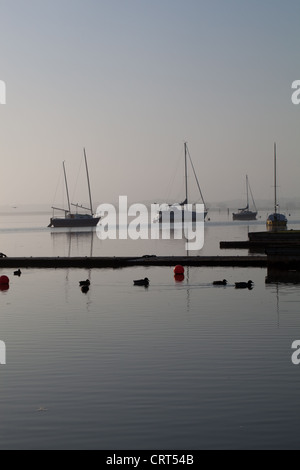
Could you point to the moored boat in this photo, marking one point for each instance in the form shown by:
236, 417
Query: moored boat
246, 213
75, 219
276, 220
184, 211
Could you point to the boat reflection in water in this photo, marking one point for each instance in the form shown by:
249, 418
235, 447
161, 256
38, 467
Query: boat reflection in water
76, 242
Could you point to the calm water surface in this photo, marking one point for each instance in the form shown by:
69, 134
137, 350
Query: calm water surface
175, 366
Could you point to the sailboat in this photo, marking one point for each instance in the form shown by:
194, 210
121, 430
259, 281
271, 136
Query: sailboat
71, 219
168, 214
276, 220
246, 214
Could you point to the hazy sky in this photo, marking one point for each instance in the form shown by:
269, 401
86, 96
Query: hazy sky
131, 80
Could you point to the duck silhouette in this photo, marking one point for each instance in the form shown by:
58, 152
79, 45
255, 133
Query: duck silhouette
244, 285
85, 283
220, 283
18, 273
142, 282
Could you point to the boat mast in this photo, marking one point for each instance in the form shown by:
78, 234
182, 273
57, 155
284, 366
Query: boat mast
186, 173
247, 185
252, 196
66, 182
196, 177
275, 178
88, 180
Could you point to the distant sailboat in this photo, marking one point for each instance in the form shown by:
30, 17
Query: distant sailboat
70, 218
168, 214
276, 220
246, 214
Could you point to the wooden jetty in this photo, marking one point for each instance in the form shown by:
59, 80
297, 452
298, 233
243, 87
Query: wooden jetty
264, 240
276, 258
240, 245
276, 236
123, 262
286, 259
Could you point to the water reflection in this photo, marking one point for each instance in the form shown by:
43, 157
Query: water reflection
74, 241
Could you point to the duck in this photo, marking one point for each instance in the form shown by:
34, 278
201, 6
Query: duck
220, 283
244, 285
85, 289
18, 273
142, 282
85, 283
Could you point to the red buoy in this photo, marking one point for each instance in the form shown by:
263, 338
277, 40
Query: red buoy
4, 280
179, 269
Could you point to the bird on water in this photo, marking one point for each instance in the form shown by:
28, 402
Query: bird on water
244, 285
85, 283
142, 282
220, 283
18, 273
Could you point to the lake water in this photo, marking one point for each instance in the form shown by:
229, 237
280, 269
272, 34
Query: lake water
175, 366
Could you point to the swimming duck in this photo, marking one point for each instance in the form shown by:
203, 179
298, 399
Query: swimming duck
17, 273
142, 282
244, 285
85, 283
220, 283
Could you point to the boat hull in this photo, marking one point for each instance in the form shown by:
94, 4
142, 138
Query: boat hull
169, 217
84, 222
280, 236
245, 216
272, 224
277, 221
